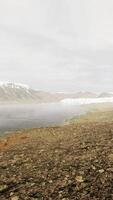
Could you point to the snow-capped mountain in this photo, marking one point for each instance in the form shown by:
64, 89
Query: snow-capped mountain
14, 85
17, 92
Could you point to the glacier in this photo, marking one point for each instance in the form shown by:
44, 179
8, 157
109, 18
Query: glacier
86, 101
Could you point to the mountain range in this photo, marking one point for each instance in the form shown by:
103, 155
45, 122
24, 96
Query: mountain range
20, 93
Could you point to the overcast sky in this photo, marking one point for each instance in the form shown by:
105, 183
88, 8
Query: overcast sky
57, 45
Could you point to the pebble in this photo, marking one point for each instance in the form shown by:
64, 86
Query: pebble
50, 181
110, 157
79, 179
101, 171
110, 169
93, 167
3, 187
15, 198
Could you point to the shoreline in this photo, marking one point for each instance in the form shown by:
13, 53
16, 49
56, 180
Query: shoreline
95, 114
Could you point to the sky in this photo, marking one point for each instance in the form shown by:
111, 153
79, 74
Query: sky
57, 45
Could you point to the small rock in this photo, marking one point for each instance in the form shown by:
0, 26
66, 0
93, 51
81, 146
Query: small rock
81, 172
110, 169
93, 167
32, 184
50, 181
110, 157
11, 194
3, 187
101, 171
79, 179
43, 184
15, 198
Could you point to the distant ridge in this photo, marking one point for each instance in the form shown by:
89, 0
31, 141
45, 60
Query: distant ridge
21, 93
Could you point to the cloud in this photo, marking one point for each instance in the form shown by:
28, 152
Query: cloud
58, 45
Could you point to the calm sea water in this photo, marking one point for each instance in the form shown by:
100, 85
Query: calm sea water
14, 117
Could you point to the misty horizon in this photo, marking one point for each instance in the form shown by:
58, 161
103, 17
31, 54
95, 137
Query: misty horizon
6, 83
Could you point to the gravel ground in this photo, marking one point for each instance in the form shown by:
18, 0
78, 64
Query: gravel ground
72, 162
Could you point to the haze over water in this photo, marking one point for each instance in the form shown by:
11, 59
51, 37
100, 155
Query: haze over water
19, 116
